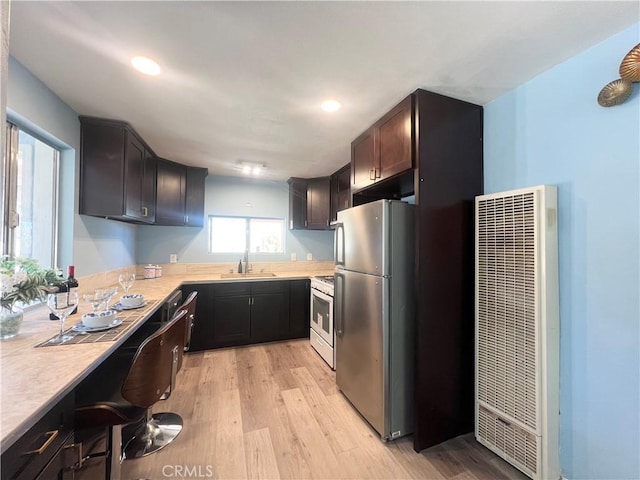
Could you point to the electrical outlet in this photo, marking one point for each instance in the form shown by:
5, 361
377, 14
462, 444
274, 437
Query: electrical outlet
173, 258
309, 256
294, 257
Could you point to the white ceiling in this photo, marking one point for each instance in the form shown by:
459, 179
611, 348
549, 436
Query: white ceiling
244, 80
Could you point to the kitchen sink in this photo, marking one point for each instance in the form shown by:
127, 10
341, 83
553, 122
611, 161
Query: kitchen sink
248, 275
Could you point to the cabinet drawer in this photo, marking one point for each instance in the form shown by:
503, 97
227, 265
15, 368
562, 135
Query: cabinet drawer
32, 452
258, 288
229, 289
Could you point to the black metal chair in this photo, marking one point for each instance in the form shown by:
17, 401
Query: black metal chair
126, 397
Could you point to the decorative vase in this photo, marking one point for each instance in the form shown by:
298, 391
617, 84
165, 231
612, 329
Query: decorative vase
10, 321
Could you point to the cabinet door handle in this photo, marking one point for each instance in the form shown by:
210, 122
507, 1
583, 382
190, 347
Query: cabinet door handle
186, 219
79, 459
50, 438
249, 300
144, 211
372, 174
377, 172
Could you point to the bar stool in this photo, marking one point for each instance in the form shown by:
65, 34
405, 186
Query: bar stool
128, 395
136, 443
143, 439
190, 306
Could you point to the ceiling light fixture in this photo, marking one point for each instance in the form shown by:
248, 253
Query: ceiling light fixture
330, 105
250, 168
146, 65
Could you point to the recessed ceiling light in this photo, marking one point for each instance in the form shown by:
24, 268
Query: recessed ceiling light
330, 105
145, 65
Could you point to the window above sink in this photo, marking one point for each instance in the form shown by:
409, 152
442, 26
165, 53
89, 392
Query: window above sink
238, 234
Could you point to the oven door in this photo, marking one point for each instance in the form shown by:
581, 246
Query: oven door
322, 315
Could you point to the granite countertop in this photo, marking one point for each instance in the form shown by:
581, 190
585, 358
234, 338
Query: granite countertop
34, 379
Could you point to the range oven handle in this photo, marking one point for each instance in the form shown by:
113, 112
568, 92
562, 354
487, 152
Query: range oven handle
338, 298
338, 241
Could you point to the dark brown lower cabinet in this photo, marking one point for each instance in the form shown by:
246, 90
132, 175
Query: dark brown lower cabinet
46, 451
269, 311
243, 313
231, 315
202, 327
60, 467
299, 306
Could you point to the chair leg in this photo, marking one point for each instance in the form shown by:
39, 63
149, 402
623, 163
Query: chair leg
157, 432
114, 457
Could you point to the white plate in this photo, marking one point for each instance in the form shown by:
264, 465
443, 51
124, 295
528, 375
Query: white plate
81, 327
119, 306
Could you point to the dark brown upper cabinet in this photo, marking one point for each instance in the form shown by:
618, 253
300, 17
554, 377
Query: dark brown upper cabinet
117, 172
171, 183
309, 203
297, 203
340, 191
385, 149
196, 178
363, 160
318, 203
121, 178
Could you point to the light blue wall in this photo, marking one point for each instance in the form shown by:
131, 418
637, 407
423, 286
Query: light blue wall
92, 244
230, 196
551, 131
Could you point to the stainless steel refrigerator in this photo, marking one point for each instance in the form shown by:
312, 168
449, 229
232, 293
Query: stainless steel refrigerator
374, 312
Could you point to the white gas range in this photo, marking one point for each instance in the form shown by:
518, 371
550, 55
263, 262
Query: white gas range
322, 334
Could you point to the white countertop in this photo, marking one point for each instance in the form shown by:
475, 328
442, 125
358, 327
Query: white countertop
35, 379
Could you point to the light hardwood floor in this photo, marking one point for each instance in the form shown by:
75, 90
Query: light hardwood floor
273, 411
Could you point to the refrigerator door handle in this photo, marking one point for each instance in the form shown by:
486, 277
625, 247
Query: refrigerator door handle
339, 308
338, 244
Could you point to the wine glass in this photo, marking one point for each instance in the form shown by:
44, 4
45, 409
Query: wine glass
107, 293
61, 305
95, 299
126, 280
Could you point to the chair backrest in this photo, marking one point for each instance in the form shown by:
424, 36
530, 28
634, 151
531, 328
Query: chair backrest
152, 370
190, 306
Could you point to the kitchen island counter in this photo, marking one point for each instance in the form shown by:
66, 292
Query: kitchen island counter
35, 378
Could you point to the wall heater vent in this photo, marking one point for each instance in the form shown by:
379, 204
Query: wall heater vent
517, 337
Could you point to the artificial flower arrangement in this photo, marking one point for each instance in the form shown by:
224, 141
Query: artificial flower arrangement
23, 280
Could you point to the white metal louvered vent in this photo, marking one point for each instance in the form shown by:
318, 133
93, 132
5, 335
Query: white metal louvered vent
517, 328
517, 443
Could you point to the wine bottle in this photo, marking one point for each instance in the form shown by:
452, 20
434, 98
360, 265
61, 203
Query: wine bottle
59, 287
72, 283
